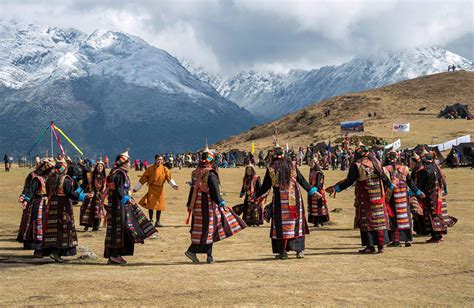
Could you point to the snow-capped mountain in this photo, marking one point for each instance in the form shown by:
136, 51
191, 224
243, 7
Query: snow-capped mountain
271, 95
109, 89
201, 73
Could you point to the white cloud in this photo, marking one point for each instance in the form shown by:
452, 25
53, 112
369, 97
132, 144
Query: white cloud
181, 41
228, 36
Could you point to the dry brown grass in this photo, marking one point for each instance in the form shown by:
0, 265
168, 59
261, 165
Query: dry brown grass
398, 103
245, 272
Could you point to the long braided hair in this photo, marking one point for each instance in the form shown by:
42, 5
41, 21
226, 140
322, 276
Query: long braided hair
283, 167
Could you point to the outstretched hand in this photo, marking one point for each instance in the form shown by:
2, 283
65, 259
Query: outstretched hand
330, 190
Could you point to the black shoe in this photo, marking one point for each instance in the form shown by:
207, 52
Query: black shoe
210, 260
407, 244
282, 256
158, 224
191, 256
367, 250
394, 244
434, 240
56, 258
116, 261
86, 229
95, 229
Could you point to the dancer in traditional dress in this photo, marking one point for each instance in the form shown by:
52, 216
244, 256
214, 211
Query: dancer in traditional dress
433, 185
397, 201
371, 213
317, 204
212, 220
252, 212
92, 209
288, 221
60, 238
126, 223
416, 207
33, 200
154, 200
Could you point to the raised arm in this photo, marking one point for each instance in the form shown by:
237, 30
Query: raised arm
352, 176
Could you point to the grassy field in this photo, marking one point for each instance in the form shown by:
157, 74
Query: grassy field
245, 272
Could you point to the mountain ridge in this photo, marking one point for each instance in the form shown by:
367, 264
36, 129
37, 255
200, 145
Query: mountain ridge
110, 90
269, 95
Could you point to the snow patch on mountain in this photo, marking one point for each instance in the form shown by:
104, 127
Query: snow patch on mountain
215, 80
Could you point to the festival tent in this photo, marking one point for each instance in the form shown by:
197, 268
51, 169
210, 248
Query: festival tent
419, 148
238, 155
466, 151
321, 146
461, 110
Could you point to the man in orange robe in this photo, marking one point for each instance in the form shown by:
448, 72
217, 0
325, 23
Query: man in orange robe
155, 177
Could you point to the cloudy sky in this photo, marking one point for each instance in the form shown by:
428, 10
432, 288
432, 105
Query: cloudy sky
227, 36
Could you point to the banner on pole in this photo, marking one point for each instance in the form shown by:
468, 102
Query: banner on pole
352, 127
397, 144
402, 128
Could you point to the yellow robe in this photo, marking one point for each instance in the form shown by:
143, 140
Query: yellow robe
155, 177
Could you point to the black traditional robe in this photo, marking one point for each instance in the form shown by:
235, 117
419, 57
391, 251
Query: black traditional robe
211, 222
288, 221
60, 235
126, 223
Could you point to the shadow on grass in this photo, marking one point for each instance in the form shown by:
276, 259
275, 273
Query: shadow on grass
12, 239
331, 248
7, 261
334, 253
12, 248
329, 229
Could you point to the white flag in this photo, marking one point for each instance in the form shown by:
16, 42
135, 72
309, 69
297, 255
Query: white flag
397, 145
401, 127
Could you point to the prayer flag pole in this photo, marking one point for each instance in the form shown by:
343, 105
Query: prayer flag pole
52, 151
